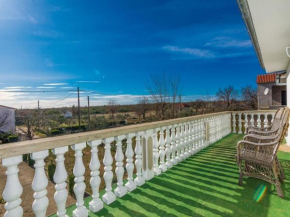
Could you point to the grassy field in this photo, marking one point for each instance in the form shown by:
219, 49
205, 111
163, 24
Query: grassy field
203, 185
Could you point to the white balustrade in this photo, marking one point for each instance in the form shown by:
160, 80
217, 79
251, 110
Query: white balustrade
234, 123
168, 149
139, 180
173, 145
240, 123
96, 204
39, 184
13, 189
156, 168
258, 120
59, 178
80, 186
162, 165
130, 185
178, 145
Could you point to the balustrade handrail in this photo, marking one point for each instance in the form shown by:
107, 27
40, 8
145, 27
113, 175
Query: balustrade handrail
255, 111
30, 146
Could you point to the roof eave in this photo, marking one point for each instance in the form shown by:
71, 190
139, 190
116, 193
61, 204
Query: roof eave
246, 14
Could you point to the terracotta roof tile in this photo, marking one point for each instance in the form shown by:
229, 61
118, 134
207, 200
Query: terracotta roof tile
268, 78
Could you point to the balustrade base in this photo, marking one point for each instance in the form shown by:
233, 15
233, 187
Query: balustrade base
96, 205
80, 212
157, 171
174, 161
169, 164
131, 186
109, 198
163, 167
139, 181
120, 191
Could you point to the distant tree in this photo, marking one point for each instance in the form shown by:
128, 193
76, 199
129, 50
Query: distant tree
249, 96
142, 107
199, 105
174, 90
4, 117
112, 107
228, 95
29, 120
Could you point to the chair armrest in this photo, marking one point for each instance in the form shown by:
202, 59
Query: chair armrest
263, 133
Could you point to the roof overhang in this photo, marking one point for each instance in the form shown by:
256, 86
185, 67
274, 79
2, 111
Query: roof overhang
268, 23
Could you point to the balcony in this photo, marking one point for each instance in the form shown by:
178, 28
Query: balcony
180, 167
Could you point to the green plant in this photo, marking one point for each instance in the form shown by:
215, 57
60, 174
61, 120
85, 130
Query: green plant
55, 132
51, 170
13, 138
30, 160
71, 183
2, 201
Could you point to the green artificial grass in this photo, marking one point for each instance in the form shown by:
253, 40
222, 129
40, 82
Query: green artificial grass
205, 184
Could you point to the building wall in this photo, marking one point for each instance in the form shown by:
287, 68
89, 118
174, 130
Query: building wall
265, 101
10, 126
276, 95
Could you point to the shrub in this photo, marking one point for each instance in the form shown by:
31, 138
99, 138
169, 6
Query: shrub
51, 170
71, 183
55, 132
31, 162
13, 138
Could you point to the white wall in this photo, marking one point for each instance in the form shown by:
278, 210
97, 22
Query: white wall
10, 126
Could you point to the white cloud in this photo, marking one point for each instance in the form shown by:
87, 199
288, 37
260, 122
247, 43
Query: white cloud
67, 87
47, 34
45, 87
88, 81
198, 53
32, 19
54, 84
18, 87
227, 42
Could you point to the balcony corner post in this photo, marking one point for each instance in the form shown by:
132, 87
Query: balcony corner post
139, 180
130, 185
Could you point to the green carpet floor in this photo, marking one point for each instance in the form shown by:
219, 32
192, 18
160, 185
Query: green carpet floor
203, 185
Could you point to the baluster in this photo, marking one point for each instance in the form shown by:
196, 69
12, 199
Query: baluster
13, 189
130, 185
109, 197
39, 184
246, 123
189, 139
194, 148
59, 177
234, 122
181, 142
162, 165
185, 141
265, 120
157, 171
240, 123
178, 158
80, 186
120, 191
139, 180
258, 120
252, 120
173, 145
168, 147
96, 204
196, 136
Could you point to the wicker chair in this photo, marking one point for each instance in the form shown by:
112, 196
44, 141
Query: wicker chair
273, 127
257, 157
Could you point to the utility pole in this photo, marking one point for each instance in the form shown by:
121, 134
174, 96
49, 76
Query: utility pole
38, 115
79, 109
89, 109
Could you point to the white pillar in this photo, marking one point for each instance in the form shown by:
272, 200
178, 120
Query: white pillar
288, 101
39, 184
259, 120
109, 197
178, 158
96, 204
80, 186
13, 189
120, 191
130, 185
181, 142
59, 177
240, 123
139, 180
157, 171
162, 165
234, 122
173, 145
168, 149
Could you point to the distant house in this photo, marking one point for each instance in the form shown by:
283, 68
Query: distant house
67, 114
7, 119
272, 91
183, 106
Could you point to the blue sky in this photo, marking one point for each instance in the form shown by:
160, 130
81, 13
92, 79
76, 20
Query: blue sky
112, 47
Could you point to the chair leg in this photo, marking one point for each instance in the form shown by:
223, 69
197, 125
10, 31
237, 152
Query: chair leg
279, 191
277, 182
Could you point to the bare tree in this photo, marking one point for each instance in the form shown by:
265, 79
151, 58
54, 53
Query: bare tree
4, 117
164, 89
28, 121
249, 95
112, 106
142, 107
228, 95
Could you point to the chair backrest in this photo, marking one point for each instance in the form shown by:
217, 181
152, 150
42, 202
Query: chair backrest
278, 118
